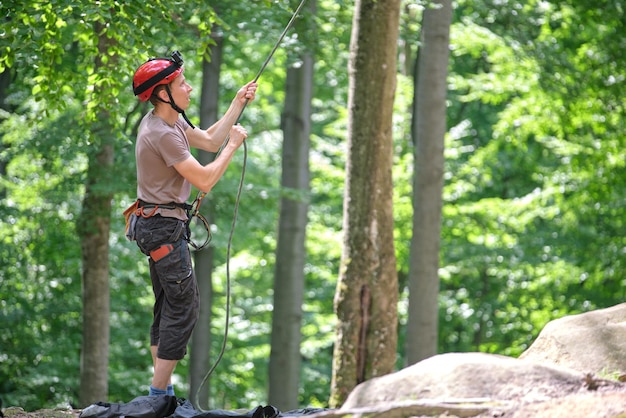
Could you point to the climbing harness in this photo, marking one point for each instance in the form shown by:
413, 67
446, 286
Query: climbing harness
142, 209
198, 201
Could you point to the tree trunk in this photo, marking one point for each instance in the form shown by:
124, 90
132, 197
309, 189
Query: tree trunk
5, 82
94, 227
429, 130
200, 356
284, 367
367, 289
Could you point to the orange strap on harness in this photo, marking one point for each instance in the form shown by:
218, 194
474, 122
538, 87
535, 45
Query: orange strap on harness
161, 252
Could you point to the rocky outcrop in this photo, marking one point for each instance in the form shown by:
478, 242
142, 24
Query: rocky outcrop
563, 374
593, 342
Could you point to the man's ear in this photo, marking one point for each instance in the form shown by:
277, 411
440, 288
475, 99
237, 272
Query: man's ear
162, 94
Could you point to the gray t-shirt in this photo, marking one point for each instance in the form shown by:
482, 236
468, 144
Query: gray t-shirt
160, 146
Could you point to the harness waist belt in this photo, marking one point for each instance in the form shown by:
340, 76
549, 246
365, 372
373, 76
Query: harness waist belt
171, 205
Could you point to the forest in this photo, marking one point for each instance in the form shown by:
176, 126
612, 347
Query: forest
533, 197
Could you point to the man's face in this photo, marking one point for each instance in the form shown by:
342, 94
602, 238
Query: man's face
181, 91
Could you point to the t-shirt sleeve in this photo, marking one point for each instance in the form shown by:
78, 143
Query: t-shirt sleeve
174, 149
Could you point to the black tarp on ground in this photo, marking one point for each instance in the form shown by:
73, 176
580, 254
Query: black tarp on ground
169, 407
186, 410
141, 407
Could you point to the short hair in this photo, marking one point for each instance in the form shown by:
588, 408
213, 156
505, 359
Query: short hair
154, 97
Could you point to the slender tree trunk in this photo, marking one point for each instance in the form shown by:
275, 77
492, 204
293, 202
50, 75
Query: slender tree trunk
5, 82
429, 129
94, 229
367, 289
200, 357
284, 368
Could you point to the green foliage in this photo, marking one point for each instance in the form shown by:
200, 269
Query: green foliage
40, 253
531, 223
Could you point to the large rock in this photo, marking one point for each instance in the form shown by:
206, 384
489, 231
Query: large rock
562, 375
592, 342
453, 376
486, 386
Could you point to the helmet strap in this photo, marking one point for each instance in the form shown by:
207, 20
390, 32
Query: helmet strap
175, 106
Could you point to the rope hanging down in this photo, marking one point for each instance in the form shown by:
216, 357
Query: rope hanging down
198, 201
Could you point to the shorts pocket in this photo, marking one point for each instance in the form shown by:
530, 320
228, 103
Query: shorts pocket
175, 271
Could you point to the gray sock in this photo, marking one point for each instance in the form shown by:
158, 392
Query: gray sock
156, 392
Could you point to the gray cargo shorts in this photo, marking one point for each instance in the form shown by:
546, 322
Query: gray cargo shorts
176, 305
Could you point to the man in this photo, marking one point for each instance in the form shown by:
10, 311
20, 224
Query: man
166, 170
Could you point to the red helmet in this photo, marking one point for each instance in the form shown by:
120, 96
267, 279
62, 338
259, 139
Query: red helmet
154, 72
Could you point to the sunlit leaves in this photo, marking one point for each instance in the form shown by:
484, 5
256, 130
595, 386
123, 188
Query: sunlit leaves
501, 69
41, 257
533, 204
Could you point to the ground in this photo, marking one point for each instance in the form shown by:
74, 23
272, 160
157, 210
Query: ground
15, 412
604, 401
